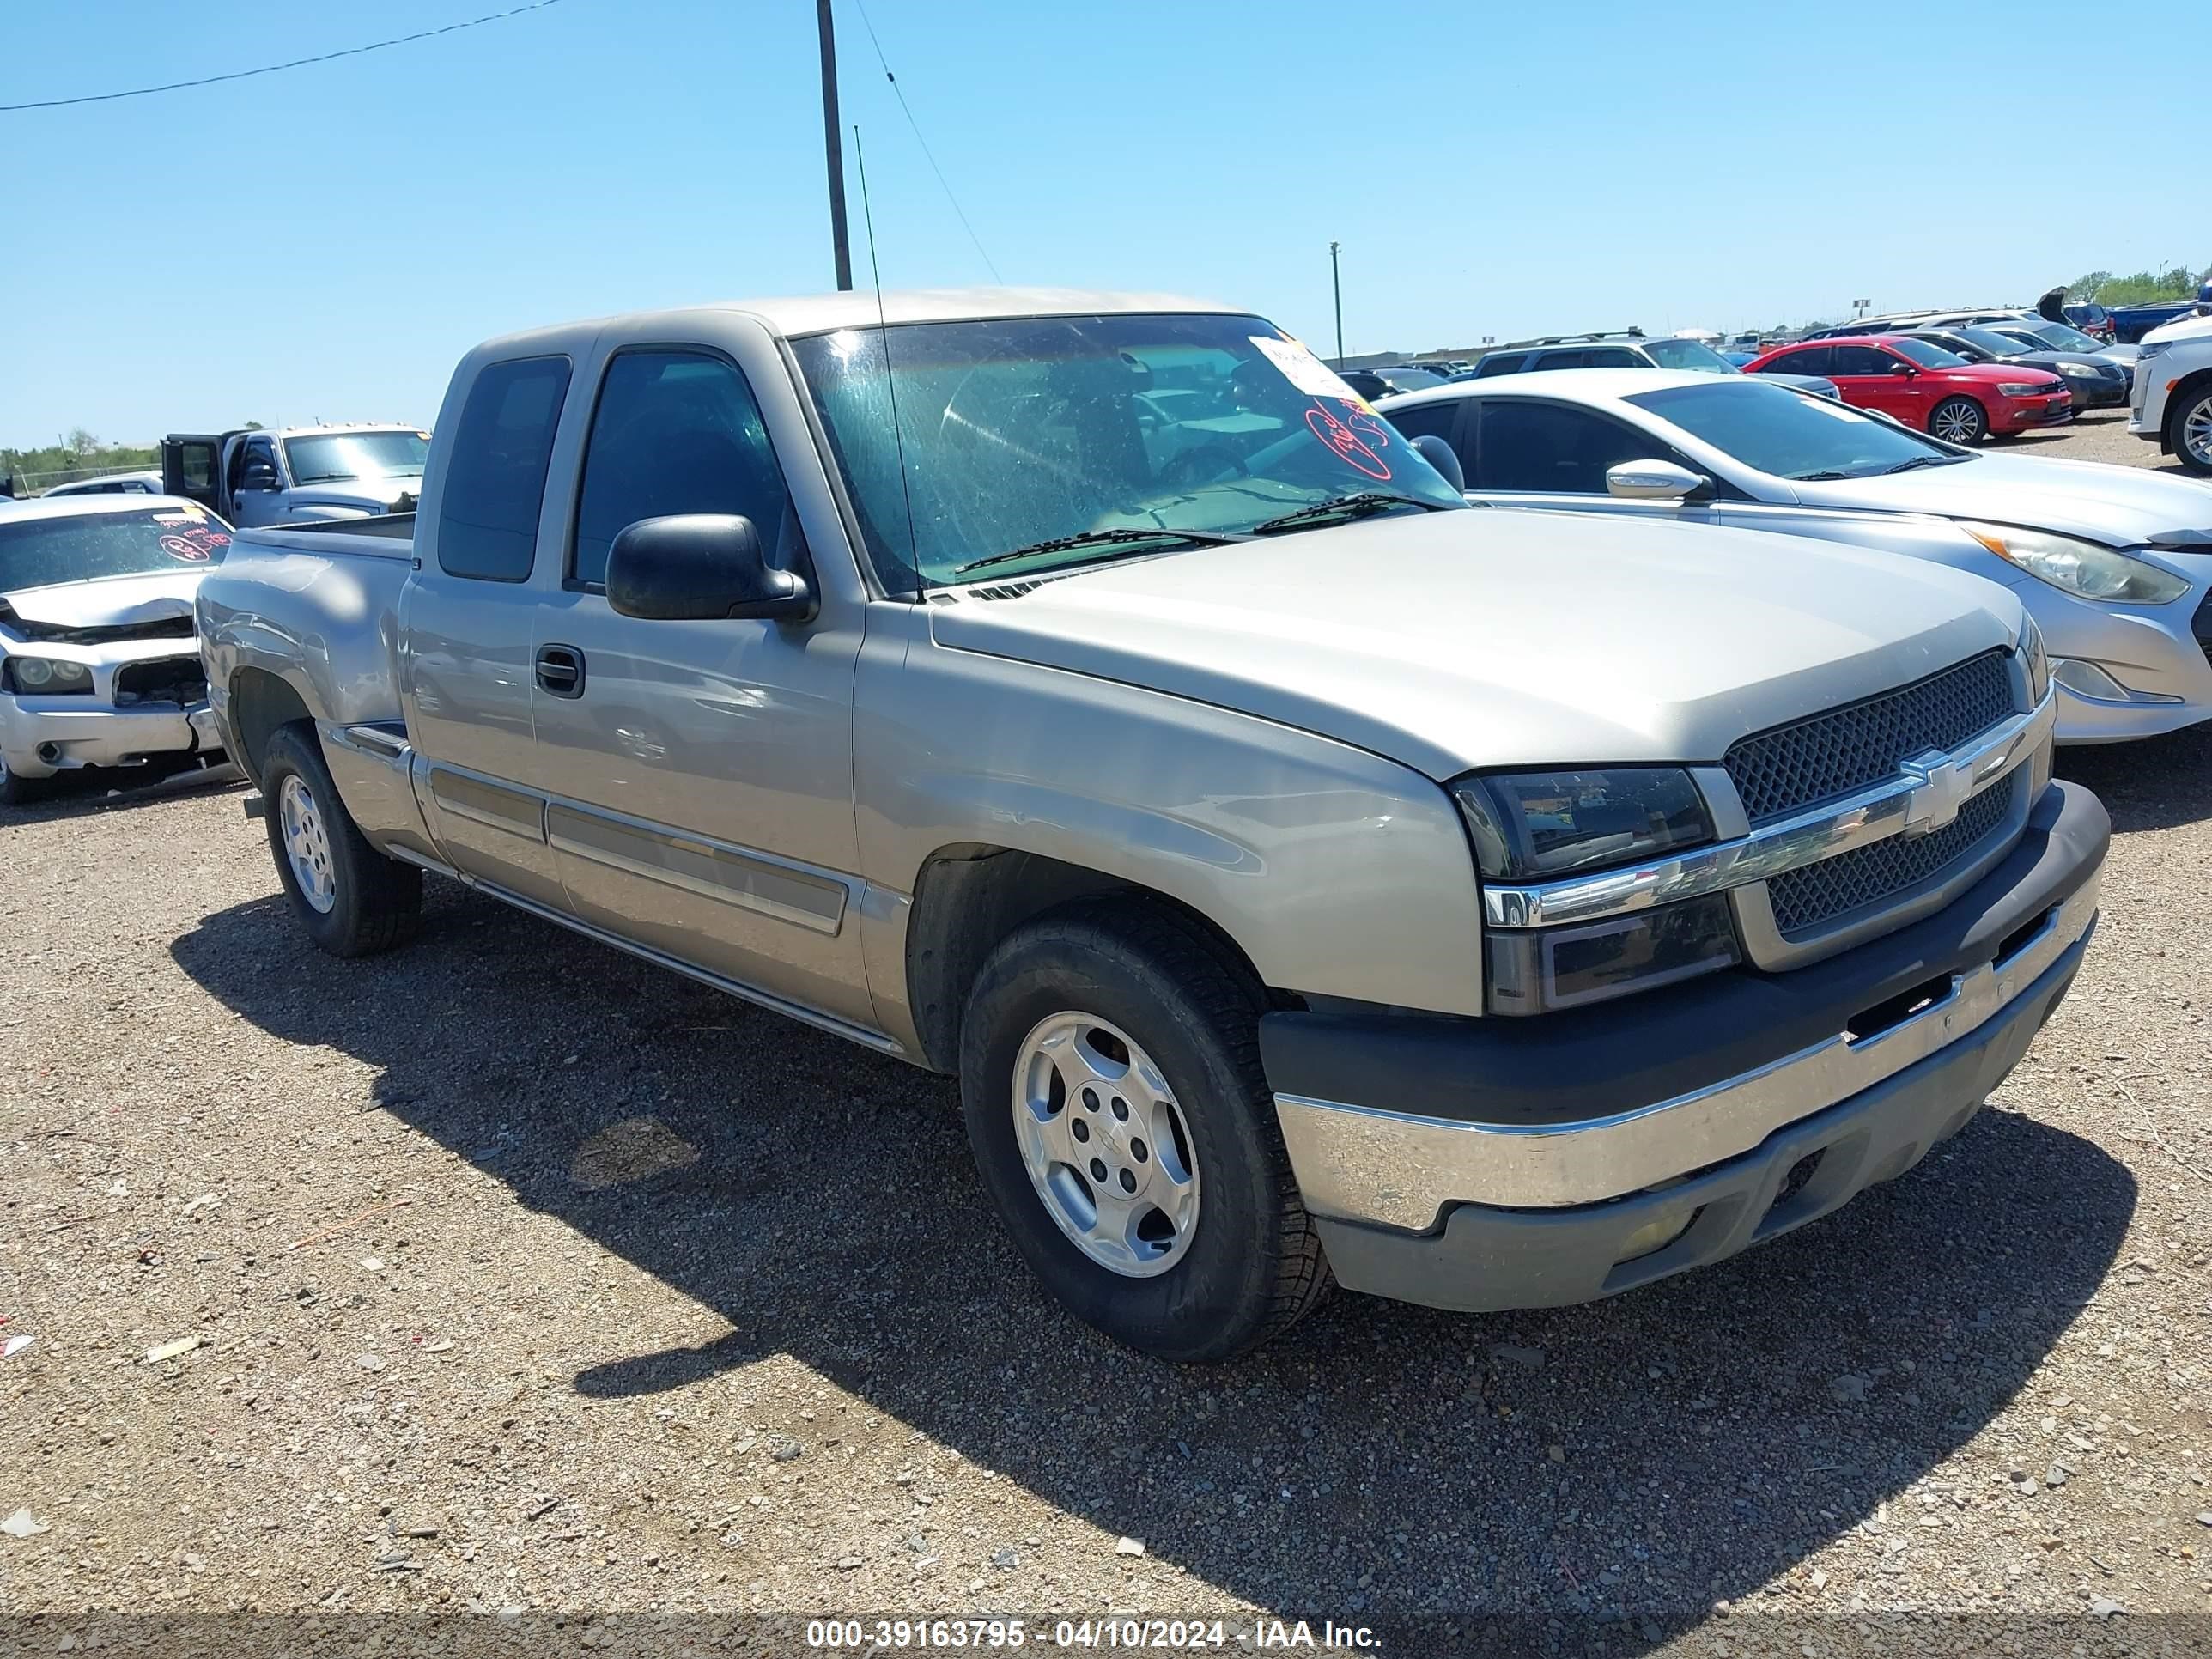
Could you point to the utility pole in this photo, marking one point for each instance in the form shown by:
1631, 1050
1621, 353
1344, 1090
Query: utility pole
1336, 283
833, 143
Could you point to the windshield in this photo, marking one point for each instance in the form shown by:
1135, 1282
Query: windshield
1025, 430
1687, 354
328, 456
80, 547
1928, 356
2063, 338
1989, 340
1787, 433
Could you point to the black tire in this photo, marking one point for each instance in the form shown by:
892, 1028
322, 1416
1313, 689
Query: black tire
1972, 418
2196, 403
1254, 1262
378, 901
17, 790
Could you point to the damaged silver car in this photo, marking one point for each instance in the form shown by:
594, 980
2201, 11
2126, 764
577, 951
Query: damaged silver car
99, 666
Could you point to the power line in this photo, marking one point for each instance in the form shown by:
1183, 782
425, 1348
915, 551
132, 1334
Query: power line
900, 93
271, 69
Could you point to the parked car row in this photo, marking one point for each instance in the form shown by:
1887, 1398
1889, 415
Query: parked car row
1315, 863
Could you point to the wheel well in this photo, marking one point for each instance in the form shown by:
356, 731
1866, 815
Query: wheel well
968, 899
260, 702
2177, 399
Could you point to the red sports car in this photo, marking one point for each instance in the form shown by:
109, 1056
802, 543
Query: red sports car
1924, 386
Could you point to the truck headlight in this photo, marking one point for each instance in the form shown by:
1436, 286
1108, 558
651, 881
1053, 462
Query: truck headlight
2085, 569
1529, 826
1538, 826
46, 676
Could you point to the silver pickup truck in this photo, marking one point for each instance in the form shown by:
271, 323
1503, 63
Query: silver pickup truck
1309, 876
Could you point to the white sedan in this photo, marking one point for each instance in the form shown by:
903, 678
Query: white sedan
99, 664
2114, 563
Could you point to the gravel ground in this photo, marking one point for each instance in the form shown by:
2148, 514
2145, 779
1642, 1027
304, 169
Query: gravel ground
525, 1277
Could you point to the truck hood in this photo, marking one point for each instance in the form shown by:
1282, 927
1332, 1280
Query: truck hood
2186, 328
1479, 638
2119, 506
109, 602
366, 494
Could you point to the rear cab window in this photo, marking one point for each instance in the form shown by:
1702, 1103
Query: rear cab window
496, 481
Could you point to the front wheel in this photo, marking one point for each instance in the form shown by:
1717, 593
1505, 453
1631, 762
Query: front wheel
2192, 432
1958, 421
1111, 1084
353, 900
17, 790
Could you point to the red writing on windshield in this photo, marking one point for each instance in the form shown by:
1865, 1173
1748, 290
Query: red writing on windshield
1353, 437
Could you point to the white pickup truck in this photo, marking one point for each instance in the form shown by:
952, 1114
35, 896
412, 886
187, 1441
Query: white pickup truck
1308, 875
297, 475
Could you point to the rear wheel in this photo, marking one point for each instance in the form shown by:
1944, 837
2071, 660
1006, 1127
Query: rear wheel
1958, 421
1114, 1102
353, 900
2193, 431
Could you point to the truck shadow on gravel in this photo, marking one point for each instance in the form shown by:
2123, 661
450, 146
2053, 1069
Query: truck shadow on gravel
1638, 1459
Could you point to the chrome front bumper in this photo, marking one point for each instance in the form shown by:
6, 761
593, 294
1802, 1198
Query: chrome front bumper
1373, 1165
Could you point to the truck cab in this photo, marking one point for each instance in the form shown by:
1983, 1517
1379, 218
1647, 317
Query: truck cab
1309, 876
298, 474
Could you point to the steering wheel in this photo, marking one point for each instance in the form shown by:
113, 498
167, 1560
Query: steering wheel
1207, 463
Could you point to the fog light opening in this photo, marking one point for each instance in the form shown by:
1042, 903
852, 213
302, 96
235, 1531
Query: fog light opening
2091, 680
50, 752
1656, 1235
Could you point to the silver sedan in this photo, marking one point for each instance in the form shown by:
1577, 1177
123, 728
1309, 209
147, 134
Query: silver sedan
2114, 563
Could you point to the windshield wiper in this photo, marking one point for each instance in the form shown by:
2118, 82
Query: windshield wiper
1145, 533
1820, 477
1358, 505
1924, 460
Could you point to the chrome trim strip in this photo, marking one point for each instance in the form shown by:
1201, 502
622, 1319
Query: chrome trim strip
1396, 1170
494, 805
714, 870
1925, 794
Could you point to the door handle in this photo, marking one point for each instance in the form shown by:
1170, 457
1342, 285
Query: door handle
560, 671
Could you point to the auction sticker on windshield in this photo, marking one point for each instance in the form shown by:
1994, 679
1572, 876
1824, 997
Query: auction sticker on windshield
1305, 371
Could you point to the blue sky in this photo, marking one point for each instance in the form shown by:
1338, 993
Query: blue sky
325, 243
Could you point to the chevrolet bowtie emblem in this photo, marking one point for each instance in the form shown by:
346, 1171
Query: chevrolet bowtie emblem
1940, 787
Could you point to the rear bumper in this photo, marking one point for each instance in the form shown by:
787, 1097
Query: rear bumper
1493, 1164
41, 736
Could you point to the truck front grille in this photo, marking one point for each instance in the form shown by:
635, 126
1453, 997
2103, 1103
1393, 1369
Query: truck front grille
165, 679
1821, 893
1792, 766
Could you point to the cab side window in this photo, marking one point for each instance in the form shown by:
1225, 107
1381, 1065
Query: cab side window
496, 482
675, 432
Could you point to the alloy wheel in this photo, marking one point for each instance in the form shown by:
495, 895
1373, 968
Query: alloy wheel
1105, 1145
308, 844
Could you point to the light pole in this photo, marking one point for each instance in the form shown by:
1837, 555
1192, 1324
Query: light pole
832, 140
1336, 285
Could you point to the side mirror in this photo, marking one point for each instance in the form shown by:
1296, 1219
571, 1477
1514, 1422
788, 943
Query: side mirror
700, 567
1656, 481
1905, 369
1439, 454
